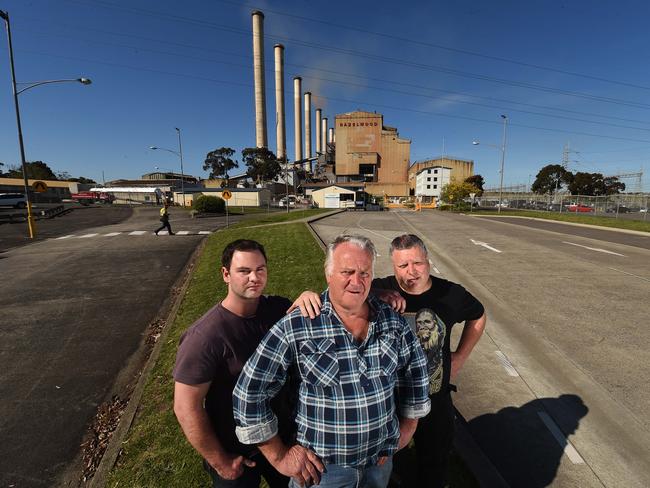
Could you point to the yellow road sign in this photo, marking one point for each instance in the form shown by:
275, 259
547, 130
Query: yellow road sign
226, 194
39, 186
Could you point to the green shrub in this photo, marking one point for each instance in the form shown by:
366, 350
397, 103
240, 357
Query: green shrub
209, 204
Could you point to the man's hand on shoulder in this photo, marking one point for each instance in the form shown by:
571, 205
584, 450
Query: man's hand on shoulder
232, 466
392, 298
309, 304
300, 463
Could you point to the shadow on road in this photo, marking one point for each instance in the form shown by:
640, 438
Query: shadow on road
519, 440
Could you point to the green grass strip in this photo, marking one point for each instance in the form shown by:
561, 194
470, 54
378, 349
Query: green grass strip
155, 452
620, 223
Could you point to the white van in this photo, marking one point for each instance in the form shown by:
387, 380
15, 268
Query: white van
16, 200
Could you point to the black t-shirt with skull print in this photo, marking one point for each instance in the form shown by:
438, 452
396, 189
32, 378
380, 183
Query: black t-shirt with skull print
432, 314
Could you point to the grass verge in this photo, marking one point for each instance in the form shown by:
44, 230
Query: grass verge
155, 452
639, 225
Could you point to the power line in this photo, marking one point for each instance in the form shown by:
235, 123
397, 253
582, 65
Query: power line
437, 46
365, 55
402, 92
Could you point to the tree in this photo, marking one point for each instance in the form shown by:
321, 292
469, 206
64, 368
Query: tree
477, 181
550, 178
219, 162
456, 192
612, 185
36, 170
262, 164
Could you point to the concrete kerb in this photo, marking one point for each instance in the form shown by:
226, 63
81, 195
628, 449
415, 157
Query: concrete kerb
576, 224
117, 439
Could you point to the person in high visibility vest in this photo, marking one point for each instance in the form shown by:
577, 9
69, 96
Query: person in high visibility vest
164, 220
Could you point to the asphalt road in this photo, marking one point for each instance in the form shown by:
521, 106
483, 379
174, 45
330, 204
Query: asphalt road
556, 391
76, 308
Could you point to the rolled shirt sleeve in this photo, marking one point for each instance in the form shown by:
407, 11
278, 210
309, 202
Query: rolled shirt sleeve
412, 387
261, 380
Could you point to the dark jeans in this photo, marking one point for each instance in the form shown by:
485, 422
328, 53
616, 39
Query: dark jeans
165, 223
433, 441
251, 476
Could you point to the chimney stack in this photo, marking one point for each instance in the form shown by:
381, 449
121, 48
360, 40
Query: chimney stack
319, 144
297, 89
307, 154
258, 68
280, 134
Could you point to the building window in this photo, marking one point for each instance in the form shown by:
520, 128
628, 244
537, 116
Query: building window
428, 171
429, 178
434, 179
428, 187
435, 187
435, 171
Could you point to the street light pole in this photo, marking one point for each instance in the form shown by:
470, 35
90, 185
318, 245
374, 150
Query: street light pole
503, 158
30, 218
180, 153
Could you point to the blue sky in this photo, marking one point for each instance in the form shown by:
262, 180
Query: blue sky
572, 72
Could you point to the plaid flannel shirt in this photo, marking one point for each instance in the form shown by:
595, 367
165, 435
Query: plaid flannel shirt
349, 393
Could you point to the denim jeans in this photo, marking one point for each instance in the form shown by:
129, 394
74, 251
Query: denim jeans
342, 477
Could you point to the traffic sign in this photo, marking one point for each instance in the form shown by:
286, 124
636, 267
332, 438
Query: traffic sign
226, 195
39, 186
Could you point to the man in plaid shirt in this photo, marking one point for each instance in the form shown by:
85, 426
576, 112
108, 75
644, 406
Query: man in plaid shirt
362, 381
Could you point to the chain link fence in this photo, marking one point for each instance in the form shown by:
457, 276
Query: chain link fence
633, 206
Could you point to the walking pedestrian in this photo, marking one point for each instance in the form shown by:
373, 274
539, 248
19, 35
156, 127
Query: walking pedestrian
164, 220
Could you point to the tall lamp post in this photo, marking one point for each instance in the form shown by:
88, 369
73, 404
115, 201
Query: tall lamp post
30, 218
178, 153
503, 157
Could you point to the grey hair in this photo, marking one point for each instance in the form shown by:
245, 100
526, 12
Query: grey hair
407, 241
360, 241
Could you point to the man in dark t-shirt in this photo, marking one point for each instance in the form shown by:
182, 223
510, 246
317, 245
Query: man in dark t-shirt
212, 353
432, 306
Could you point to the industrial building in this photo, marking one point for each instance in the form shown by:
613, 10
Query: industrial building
460, 169
369, 152
430, 181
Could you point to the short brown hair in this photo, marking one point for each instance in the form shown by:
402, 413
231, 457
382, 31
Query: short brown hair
242, 245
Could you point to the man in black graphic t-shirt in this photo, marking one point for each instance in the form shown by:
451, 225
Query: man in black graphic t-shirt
433, 306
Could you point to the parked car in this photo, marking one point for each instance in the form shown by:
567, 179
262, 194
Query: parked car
579, 208
619, 209
16, 200
283, 201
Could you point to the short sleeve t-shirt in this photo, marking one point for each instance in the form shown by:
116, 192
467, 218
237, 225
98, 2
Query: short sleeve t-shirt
214, 349
432, 316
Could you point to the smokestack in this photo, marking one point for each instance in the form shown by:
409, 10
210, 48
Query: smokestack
308, 129
297, 112
319, 144
330, 136
258, 68
280, 134
324, 128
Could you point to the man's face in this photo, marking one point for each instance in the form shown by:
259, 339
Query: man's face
247, 275
350, 277
411, 267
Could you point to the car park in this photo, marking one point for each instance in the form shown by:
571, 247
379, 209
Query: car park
617, 209
15, 200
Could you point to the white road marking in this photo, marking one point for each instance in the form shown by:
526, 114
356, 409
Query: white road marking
507, 365
137, 232
112, 234
204, 232
163, 233
630, 274
569, 450
183, 232
595, 249
485, 245
86, 236
64, 237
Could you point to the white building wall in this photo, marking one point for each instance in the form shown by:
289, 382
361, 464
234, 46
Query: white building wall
430, 181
